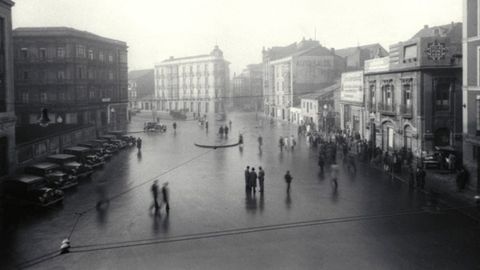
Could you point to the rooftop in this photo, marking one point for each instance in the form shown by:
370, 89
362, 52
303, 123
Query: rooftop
452, 30
62, 32
351, 50
135, 74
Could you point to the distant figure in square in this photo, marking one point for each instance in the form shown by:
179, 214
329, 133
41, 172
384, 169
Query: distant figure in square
154, 190
165, 195
261, 178
288, 180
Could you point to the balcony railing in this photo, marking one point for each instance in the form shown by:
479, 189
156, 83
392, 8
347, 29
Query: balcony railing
406, 110
387, 108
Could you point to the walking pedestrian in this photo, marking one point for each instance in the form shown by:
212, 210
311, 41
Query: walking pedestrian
154, 190
261, 179
240, 139
260, 142
253, 180
165, 194
174, 126
420, 175
139, 144
230, 124
286, 142
280, 143
225, 131
220, 131
247, 178
321, 163
461, 179
293, 143
288, 179
206, 125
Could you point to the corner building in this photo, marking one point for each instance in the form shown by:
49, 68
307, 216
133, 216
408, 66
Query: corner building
413, 97
197, 84
80, 77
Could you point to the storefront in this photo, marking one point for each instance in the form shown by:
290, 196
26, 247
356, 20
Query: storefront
351, 103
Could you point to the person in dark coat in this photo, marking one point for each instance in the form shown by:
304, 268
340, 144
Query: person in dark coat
154, 190
247, 178
288, 180
420, 176
321, 162
261, 178
165, 195
461, 179
220, 131
253, 180
174, 126
139, 144
225, 130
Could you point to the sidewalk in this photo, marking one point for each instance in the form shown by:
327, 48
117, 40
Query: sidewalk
445, 187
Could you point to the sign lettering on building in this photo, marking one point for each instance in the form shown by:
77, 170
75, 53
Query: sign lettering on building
352, 87
377, 65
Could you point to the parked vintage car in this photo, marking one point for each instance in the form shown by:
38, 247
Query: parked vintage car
112, 139
31, 190
180, 115
154, 127
85, 155
54, 175
71, 166
109, 147
98, 149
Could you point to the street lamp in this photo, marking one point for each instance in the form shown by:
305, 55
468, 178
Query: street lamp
372, 135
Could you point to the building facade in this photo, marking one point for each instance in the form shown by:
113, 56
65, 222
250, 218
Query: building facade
471, 90
81, 78
247, 91
352, 110
7, 115
141, 89
295, 70
413, 97
197, 84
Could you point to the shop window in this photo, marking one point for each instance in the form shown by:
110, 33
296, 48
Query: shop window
90, 54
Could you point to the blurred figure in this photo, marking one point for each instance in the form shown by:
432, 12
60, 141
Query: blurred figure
253, 180
261, 178
260, 142
230, 124
102, 193
165, 195
247, 178
288, 180
154, 190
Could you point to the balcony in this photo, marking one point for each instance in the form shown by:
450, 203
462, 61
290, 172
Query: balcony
387, 108
406, 110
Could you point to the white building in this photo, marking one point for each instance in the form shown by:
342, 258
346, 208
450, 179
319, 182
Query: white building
197, 84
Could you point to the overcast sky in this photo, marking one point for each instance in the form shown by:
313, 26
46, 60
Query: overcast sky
157, 29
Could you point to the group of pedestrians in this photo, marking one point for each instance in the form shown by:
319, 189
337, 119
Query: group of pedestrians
287, 143
251, 178
223, 131
164, 200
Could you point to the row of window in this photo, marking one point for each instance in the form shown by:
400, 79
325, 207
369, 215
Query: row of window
80, 73
81, 94
60, 52
442, 89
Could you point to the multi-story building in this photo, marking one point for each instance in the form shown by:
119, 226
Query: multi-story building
247, 91
295, 70
471, 90
141, 89
196, 84
79, 77
7, 115
355, 57
413, 97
